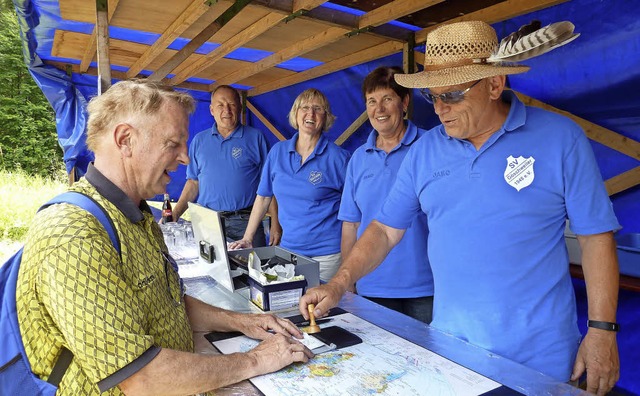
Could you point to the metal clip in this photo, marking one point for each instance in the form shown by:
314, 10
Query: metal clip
295, 15
358, 31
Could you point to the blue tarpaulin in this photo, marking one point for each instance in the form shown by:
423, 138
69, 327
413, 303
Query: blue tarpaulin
596, 77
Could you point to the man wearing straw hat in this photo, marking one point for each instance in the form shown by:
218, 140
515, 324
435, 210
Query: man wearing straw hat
497, 181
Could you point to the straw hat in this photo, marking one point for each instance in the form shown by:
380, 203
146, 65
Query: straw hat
457, 53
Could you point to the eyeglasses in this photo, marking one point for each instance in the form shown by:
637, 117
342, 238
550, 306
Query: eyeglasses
171, 273
316, 109
452, 97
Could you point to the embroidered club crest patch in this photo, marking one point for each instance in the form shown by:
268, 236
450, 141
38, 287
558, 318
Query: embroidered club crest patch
236, 152
315, 177
519, 172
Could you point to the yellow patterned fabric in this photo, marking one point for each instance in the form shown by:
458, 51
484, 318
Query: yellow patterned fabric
74, 291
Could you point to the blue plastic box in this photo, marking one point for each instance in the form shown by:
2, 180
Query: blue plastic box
629, 254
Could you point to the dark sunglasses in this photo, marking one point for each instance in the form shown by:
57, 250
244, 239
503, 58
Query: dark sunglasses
452, 97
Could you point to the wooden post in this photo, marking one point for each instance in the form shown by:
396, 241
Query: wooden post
243, 98
352, 128
102, 37
409, 66
266, 122
72, 176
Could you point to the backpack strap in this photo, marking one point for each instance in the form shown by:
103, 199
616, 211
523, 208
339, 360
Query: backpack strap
61, 366
90, 205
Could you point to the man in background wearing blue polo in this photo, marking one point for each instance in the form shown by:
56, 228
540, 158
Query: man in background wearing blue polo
224, 169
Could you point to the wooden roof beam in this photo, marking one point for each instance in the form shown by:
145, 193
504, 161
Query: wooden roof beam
202, 37
375, 52
623, 181
92, 71
495, 13
302, 47
393, 10
291, 7
593, 131
306, 5
190, 14
265, 121
228, 46
330, 16
352, 128
90, 50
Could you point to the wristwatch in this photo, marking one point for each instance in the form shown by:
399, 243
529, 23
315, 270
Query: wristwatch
609, 326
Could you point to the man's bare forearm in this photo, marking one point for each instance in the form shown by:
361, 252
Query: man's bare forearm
601, 273
367, 253
349, 237
205, 317
182, 373
598, 353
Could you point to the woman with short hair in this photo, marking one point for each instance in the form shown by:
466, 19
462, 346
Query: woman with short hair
403, 281
306, 175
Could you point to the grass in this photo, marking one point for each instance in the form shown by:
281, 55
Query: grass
22, 194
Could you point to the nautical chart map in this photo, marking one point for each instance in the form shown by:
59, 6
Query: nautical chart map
382, 364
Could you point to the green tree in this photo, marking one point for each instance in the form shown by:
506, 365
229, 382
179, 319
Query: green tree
28, 138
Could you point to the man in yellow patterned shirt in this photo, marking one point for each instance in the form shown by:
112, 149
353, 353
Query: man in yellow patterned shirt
125, 316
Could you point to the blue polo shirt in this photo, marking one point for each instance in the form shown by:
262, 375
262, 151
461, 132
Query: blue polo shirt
308, 195
405, 272
496, 231
227, 170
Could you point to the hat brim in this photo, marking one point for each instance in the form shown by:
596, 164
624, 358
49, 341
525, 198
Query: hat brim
455, 75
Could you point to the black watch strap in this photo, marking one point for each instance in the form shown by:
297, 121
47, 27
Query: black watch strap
609, 326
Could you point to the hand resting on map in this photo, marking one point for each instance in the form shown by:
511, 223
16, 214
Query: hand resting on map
279, 347
262, 326
278, 351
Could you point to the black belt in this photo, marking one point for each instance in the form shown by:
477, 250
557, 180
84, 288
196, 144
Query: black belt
242, 212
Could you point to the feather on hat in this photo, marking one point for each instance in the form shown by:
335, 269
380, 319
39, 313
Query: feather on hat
468, 51
531, 40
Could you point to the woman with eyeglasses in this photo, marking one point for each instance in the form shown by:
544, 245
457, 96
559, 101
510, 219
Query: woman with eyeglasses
306, 175
403, 281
